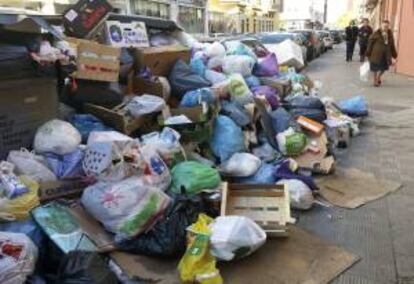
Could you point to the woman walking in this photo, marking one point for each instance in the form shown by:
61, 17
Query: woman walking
381, 51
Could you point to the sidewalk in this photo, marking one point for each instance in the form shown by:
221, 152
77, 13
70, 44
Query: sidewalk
381, 232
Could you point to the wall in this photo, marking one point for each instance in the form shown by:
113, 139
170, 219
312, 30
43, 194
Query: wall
405, 63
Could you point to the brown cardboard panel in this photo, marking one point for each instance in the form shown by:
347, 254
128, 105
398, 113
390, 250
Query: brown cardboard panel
317, 163
160, 60
351, 188
139, 86
69, 188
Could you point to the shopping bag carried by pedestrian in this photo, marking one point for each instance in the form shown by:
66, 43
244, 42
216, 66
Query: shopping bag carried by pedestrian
198, 265
364, 72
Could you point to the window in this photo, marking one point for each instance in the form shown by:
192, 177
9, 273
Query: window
191, 19
151, 8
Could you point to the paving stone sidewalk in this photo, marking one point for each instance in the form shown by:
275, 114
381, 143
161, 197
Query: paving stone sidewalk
381, 232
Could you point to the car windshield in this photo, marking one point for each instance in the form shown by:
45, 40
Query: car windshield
275, 38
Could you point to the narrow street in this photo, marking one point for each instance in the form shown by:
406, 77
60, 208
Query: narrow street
380, 232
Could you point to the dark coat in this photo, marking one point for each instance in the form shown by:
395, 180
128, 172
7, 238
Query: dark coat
351, 33
364, 33
377, 49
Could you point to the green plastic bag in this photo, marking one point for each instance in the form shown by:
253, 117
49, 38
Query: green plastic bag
193, 177
291, 143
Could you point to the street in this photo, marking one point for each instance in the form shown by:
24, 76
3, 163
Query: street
380, 232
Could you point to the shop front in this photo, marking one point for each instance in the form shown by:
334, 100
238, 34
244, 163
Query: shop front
192, 16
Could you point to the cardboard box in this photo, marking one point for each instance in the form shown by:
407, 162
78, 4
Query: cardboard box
25, 104
310, 124
199, 130
52, 190
160, 60
139, 86
266, 204
119, 119
97, 62
82, 19
317, 162
126, 34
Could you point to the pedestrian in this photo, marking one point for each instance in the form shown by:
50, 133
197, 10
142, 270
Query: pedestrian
364, 33
351, 36
381, 51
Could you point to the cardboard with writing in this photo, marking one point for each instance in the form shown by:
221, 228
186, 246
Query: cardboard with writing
126, 34
69, 188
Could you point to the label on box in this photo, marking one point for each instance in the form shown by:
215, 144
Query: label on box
127, 34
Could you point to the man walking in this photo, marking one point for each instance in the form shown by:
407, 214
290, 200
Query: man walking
351, 36
364, 33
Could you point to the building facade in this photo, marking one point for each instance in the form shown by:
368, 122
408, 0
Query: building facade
243, 16
400, 13
304, 14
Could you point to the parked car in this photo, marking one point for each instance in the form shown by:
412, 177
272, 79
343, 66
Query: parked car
326, 39
336, 36
273, 38
311, 42
251, 41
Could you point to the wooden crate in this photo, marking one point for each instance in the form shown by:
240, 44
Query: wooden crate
266, 204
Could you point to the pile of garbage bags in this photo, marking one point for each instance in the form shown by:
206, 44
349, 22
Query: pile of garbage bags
151, 189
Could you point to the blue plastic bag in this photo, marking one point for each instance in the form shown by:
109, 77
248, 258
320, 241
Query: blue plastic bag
239, 48
281, 119
227, 138
196, 97
27, 227
66, 166
235, 112
252, 81
86, 123
355, 106
197, 66
263, 176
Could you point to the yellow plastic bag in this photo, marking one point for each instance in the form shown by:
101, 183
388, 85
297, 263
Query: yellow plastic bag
18, 209
198, 265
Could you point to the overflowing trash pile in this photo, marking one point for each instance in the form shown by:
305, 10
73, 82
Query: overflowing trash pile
168, 159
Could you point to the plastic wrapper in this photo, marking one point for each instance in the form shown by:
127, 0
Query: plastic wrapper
300, 195
10, 185
58, 137
235, 237
241, 165
193, 177
19, 208
126, 208
238, 64
67, 166
145, 104
198, 265
18, 257
156, 172
227, 138
31, 165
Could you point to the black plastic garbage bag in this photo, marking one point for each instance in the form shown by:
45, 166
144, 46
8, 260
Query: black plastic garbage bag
308, 106
168, 237
182, 79
236, 113
83, 267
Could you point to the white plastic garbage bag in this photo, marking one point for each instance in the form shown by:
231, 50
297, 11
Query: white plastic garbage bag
106, 136
364, 72
166, 143
300, 194
215, 49
235, 237
127, 207
57, 136
215, 77
241, 165
18, 255
113, 160
288, 53
215, 62
145, 104
31, 165
238, 64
